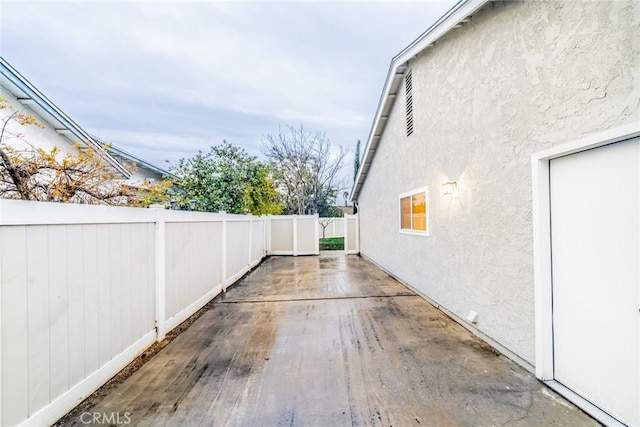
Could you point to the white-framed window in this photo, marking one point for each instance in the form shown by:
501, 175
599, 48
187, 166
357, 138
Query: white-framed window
414, 212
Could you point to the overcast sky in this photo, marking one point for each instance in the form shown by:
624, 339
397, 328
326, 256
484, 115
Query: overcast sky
164, 79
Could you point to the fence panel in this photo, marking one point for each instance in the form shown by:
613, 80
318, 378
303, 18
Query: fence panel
15, 326
87, 288
334, 227
258, 240
338, 228
238, 242
193, 264
347, 227
352, 242
281, 235
306, 235
293, 235
52, 324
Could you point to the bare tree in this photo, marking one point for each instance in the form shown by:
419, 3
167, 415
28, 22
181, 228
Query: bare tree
324, 223
305, 167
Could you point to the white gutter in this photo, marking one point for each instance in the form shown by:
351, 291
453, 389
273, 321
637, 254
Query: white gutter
452, 19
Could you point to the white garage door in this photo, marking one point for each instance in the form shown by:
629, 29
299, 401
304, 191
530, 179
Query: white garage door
595, 238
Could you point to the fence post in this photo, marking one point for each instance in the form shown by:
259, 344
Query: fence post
345, 218
250, 239
357, 233
223, 252
317, 235
161, 288
265, 236
295, 235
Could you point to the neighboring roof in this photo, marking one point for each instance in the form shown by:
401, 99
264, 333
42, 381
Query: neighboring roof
348, 210
458, 15
119, 152
28, 95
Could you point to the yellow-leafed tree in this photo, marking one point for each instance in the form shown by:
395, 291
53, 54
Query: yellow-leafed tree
31, 173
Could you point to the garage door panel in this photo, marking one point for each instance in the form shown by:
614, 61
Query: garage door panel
596, 263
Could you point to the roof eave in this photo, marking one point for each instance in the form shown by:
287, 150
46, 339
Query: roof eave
34, 95
132, 157
457, 14
140, 162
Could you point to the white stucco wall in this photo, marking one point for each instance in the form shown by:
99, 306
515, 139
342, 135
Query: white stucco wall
32, 136
47, 138
519, 78
140, 175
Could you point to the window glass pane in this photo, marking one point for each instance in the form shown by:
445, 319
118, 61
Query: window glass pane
405, 213
419, 204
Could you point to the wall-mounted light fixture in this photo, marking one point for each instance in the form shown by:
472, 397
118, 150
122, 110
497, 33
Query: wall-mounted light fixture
450, 188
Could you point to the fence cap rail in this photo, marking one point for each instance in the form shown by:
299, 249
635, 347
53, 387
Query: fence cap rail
292, 216
23, 212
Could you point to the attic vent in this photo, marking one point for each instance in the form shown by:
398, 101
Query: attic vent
409, 102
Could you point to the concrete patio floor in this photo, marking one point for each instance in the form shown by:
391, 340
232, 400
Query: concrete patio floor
331, 341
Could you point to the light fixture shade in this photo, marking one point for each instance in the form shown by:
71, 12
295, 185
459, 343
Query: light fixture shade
450, 188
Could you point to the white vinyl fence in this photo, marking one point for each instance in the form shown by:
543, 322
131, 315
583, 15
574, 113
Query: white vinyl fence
346, 226
85, 289
293, 235
333, 227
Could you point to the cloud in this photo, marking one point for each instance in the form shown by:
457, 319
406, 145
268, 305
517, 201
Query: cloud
169, 78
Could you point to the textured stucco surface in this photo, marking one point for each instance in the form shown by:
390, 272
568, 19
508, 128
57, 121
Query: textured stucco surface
520, 77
